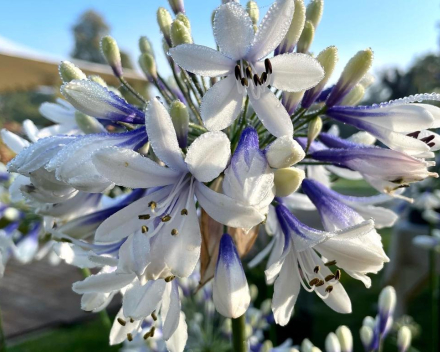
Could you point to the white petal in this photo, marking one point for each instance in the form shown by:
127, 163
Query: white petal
128, 168
221, 104
208, 155
30, 130
272, 29
163, 139
26, 250
132, 254
233, 30
105, 282
118, 333
344, 173
295, 72
73, 255
202, 60
272, 114
226, 210
286, 291
13, 142
170, 311
95, 302
140, 301
284, 152
177, 342
61, 112
298, 201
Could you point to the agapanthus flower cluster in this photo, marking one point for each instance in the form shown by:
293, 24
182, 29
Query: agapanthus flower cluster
234, 140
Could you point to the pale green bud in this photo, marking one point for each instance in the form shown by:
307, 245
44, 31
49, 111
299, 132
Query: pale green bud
332, 343
306, 345
184, 19
366, 334
265, 307
362, 137
315, 349
11, 214
314, 12
253, 11
353, 72
328, 59
387, 300
314, 130
145, 46
253, 290
345, 338
164, 20
354, 96
284, 152
248, 331
288, 180
88, 124
306, 38
110, 50
148, 65
69, 72
180, 117
296, 27
369, 321
98, 79
267, 346
180, 34
404, 338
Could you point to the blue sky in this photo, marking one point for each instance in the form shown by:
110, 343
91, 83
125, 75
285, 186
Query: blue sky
398, 31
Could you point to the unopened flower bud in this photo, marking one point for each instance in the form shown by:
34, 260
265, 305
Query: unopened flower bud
353, 72
354, 96
110, 50
253, 291
230, 289
345, 338
164, 20
404, 339
306, 38
306, 345
69, 72
314, 12
145, 46
332, 343
253, 11
288, 180
315, 349
284, 152
185, 20
328, 59
291, 100
88, 124
314, 130
180, 117
367, 337
296, 27
98, 79
177, 6
387, 304
369, 321
265, 307
11, 214
148, 65
180, 34
267, 346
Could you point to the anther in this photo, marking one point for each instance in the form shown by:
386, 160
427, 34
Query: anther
169, 278
316, 270
333, 262
144, 217
152, 330
166, 218
174, 232
184, 212
320, 283
248, 72
147, 335
237, 73
431, 144
131, 320
144, 229
154, 316
257, 80
152, 205
329, 277
338, 275
263, 77
428, 139
268, 66
121, 321
129, 337
414, 134
313, 281
244, 82
329, 289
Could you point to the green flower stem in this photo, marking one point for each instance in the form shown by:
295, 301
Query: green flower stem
167, 87
239, 341
103, 315
132, 90
2, 337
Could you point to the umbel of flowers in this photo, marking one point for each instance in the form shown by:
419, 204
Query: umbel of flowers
234, 139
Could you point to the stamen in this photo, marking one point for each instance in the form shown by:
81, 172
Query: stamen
147, 335
169, 278
237, 73
414, 134
166, 218
333, 262
152, 205
431, 144
263, 77
316, 270
144, 229
121, 321
144, 217
320, 283
244, 82
314, 281
184, 212
174, 232
338, 275
131, 320
268, 66
154, 316
248, 72
153, 329
129, 337
329, 289
257, 80
428, 139
329, 277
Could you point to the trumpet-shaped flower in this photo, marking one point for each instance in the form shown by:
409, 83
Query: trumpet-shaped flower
240, 59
